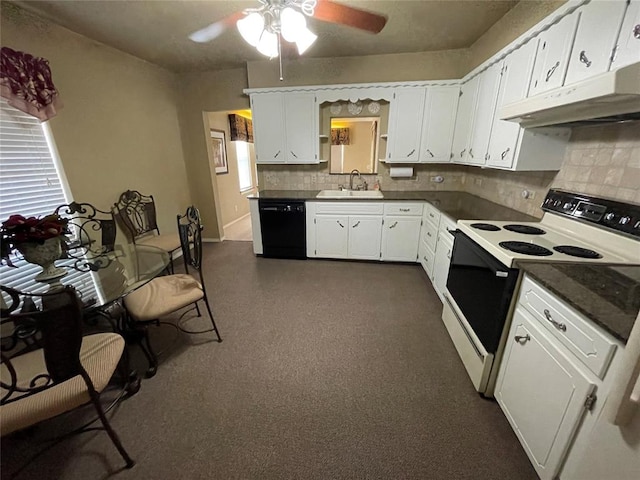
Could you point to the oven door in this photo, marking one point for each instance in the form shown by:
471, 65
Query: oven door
481, 288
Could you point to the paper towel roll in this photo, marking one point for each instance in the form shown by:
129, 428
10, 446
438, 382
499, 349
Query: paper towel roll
401, 172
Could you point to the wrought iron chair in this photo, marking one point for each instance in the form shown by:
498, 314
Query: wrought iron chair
93, 235
165, 295
48, 368
137, 213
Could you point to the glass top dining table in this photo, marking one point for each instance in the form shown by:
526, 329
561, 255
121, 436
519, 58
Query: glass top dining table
120, 272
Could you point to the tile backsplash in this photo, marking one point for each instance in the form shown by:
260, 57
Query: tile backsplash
600, 160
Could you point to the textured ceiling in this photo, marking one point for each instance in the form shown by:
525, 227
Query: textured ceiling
157, 30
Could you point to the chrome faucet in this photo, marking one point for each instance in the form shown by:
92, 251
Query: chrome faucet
353, 172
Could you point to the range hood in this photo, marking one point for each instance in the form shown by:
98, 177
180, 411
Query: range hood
608, 97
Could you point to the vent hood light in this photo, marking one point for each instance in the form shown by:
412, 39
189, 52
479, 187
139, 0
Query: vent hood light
608, 97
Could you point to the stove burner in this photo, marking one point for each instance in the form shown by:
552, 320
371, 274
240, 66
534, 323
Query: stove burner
577, 251
485, 226
526, 248
526, 229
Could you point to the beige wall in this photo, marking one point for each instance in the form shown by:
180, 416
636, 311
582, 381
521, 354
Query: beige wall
200, 93
119, 126
516, 21
233, 204
445, 64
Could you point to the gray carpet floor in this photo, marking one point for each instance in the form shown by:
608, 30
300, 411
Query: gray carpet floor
328, 370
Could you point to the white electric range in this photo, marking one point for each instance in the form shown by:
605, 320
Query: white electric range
483, 274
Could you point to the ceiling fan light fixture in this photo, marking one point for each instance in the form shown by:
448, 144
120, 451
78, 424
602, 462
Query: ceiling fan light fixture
305, 40
293, 24
251, 28
268, 44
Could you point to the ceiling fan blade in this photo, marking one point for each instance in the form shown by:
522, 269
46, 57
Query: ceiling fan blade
213, 31
328, 11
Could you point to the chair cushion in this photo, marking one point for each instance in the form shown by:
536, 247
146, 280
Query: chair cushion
163, 295
99, 354
167, 242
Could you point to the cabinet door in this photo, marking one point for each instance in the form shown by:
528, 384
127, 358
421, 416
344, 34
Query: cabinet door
596, 37
553, 55
464, 119
514, 85
483, 117
267, 111
628, 46
400, 237
332, 233
438, 124
405, 126
441, 263
365, 235
542, 394
301, 116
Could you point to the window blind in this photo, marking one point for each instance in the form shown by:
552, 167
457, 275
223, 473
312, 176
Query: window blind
30, 185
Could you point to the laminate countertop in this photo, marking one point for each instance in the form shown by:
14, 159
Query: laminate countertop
608, 295
456, 205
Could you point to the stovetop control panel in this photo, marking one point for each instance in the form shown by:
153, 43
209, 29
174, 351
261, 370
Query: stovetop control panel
618, 216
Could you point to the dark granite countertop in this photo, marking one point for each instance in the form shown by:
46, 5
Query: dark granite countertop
456, 205
609, 295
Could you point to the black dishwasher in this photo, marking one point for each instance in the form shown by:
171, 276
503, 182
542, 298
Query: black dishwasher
283, 225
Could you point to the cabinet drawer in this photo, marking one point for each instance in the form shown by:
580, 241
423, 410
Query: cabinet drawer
591, 346
401, 208
430, 234
447, 224
431, 214
349, 208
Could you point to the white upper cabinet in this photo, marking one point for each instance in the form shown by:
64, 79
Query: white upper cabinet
438, 124
595, 41
285, 127
483, 117
514, 86
552, 57
628, 46
407, 109
464, 119
267, 111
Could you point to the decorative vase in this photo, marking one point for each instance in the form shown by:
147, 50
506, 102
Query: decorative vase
44, 254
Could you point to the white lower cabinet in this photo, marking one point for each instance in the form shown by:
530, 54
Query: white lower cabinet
365, 233
554, 364
441, 262
332, 236
400, 236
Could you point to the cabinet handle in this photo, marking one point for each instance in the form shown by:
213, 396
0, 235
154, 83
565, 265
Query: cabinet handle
294, 155
338, 222
504, 154
636, 31
394, 225
462, 151
584, 59
449, 254
552, 71
558, 325
277, 153
429, 152
522, 338
487, 156
471, 152
355, 224
428, 234
405, 209
411, 152
432, 215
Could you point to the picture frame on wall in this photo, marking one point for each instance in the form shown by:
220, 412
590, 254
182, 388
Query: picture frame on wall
219, 149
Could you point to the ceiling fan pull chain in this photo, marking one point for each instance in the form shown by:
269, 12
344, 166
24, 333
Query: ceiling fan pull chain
280, 56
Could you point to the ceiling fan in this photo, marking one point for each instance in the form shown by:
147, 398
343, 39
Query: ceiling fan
264, 26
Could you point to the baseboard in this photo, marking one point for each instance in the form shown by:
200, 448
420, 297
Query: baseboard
212, 240
237, 220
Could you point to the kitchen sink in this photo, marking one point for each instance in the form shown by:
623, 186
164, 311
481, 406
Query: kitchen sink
350, 194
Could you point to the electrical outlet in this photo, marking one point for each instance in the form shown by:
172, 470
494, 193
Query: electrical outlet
477, 181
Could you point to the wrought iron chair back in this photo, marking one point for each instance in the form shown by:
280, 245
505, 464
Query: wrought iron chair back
138, 213
93, 235
190, 232
56, 328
